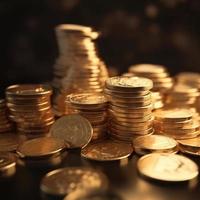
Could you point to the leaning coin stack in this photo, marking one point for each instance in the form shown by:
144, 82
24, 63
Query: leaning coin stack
30, 108
160, 77
78, 67
130, 107
177, 123
92, 106
5, 124
182, 96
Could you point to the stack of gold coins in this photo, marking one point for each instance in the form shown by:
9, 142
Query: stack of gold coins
30, 107
160, 77
190, 79
177, 123
78, 60
182, 96
157, 73
5, 124
190, 146
130, 107
92, 106
157, 100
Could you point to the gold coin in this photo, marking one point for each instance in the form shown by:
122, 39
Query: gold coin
147, 68
126, 94
154, 144
107, 150
129, 83
28, 90
88, 99
193, 142
7, 165
167, 167
190, 146
74, 129
176, 115
41, 147
63, 181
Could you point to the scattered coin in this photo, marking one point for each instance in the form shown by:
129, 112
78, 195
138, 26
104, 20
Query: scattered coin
167, 167
64, 181
73, 129
107, 150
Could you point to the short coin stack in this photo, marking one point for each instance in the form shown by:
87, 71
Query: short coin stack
5, 125
130, 107
157, 73
30, 108
182, 96
78, 67
177, 123
190, 79
160, 77
92, 106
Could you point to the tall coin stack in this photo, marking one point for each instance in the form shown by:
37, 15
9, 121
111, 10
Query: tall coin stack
78, 67
130, 107
160, 77
30, 108
92, 106
5, 124
178, 123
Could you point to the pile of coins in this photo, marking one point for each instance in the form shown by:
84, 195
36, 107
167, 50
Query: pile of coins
30, 108
92, 106
5, 124
78, 67
160, 77
177, 123
130, 107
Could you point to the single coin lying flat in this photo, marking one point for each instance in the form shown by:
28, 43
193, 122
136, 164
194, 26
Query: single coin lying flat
167, 167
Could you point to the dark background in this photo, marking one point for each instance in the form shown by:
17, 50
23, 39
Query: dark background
133, 31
